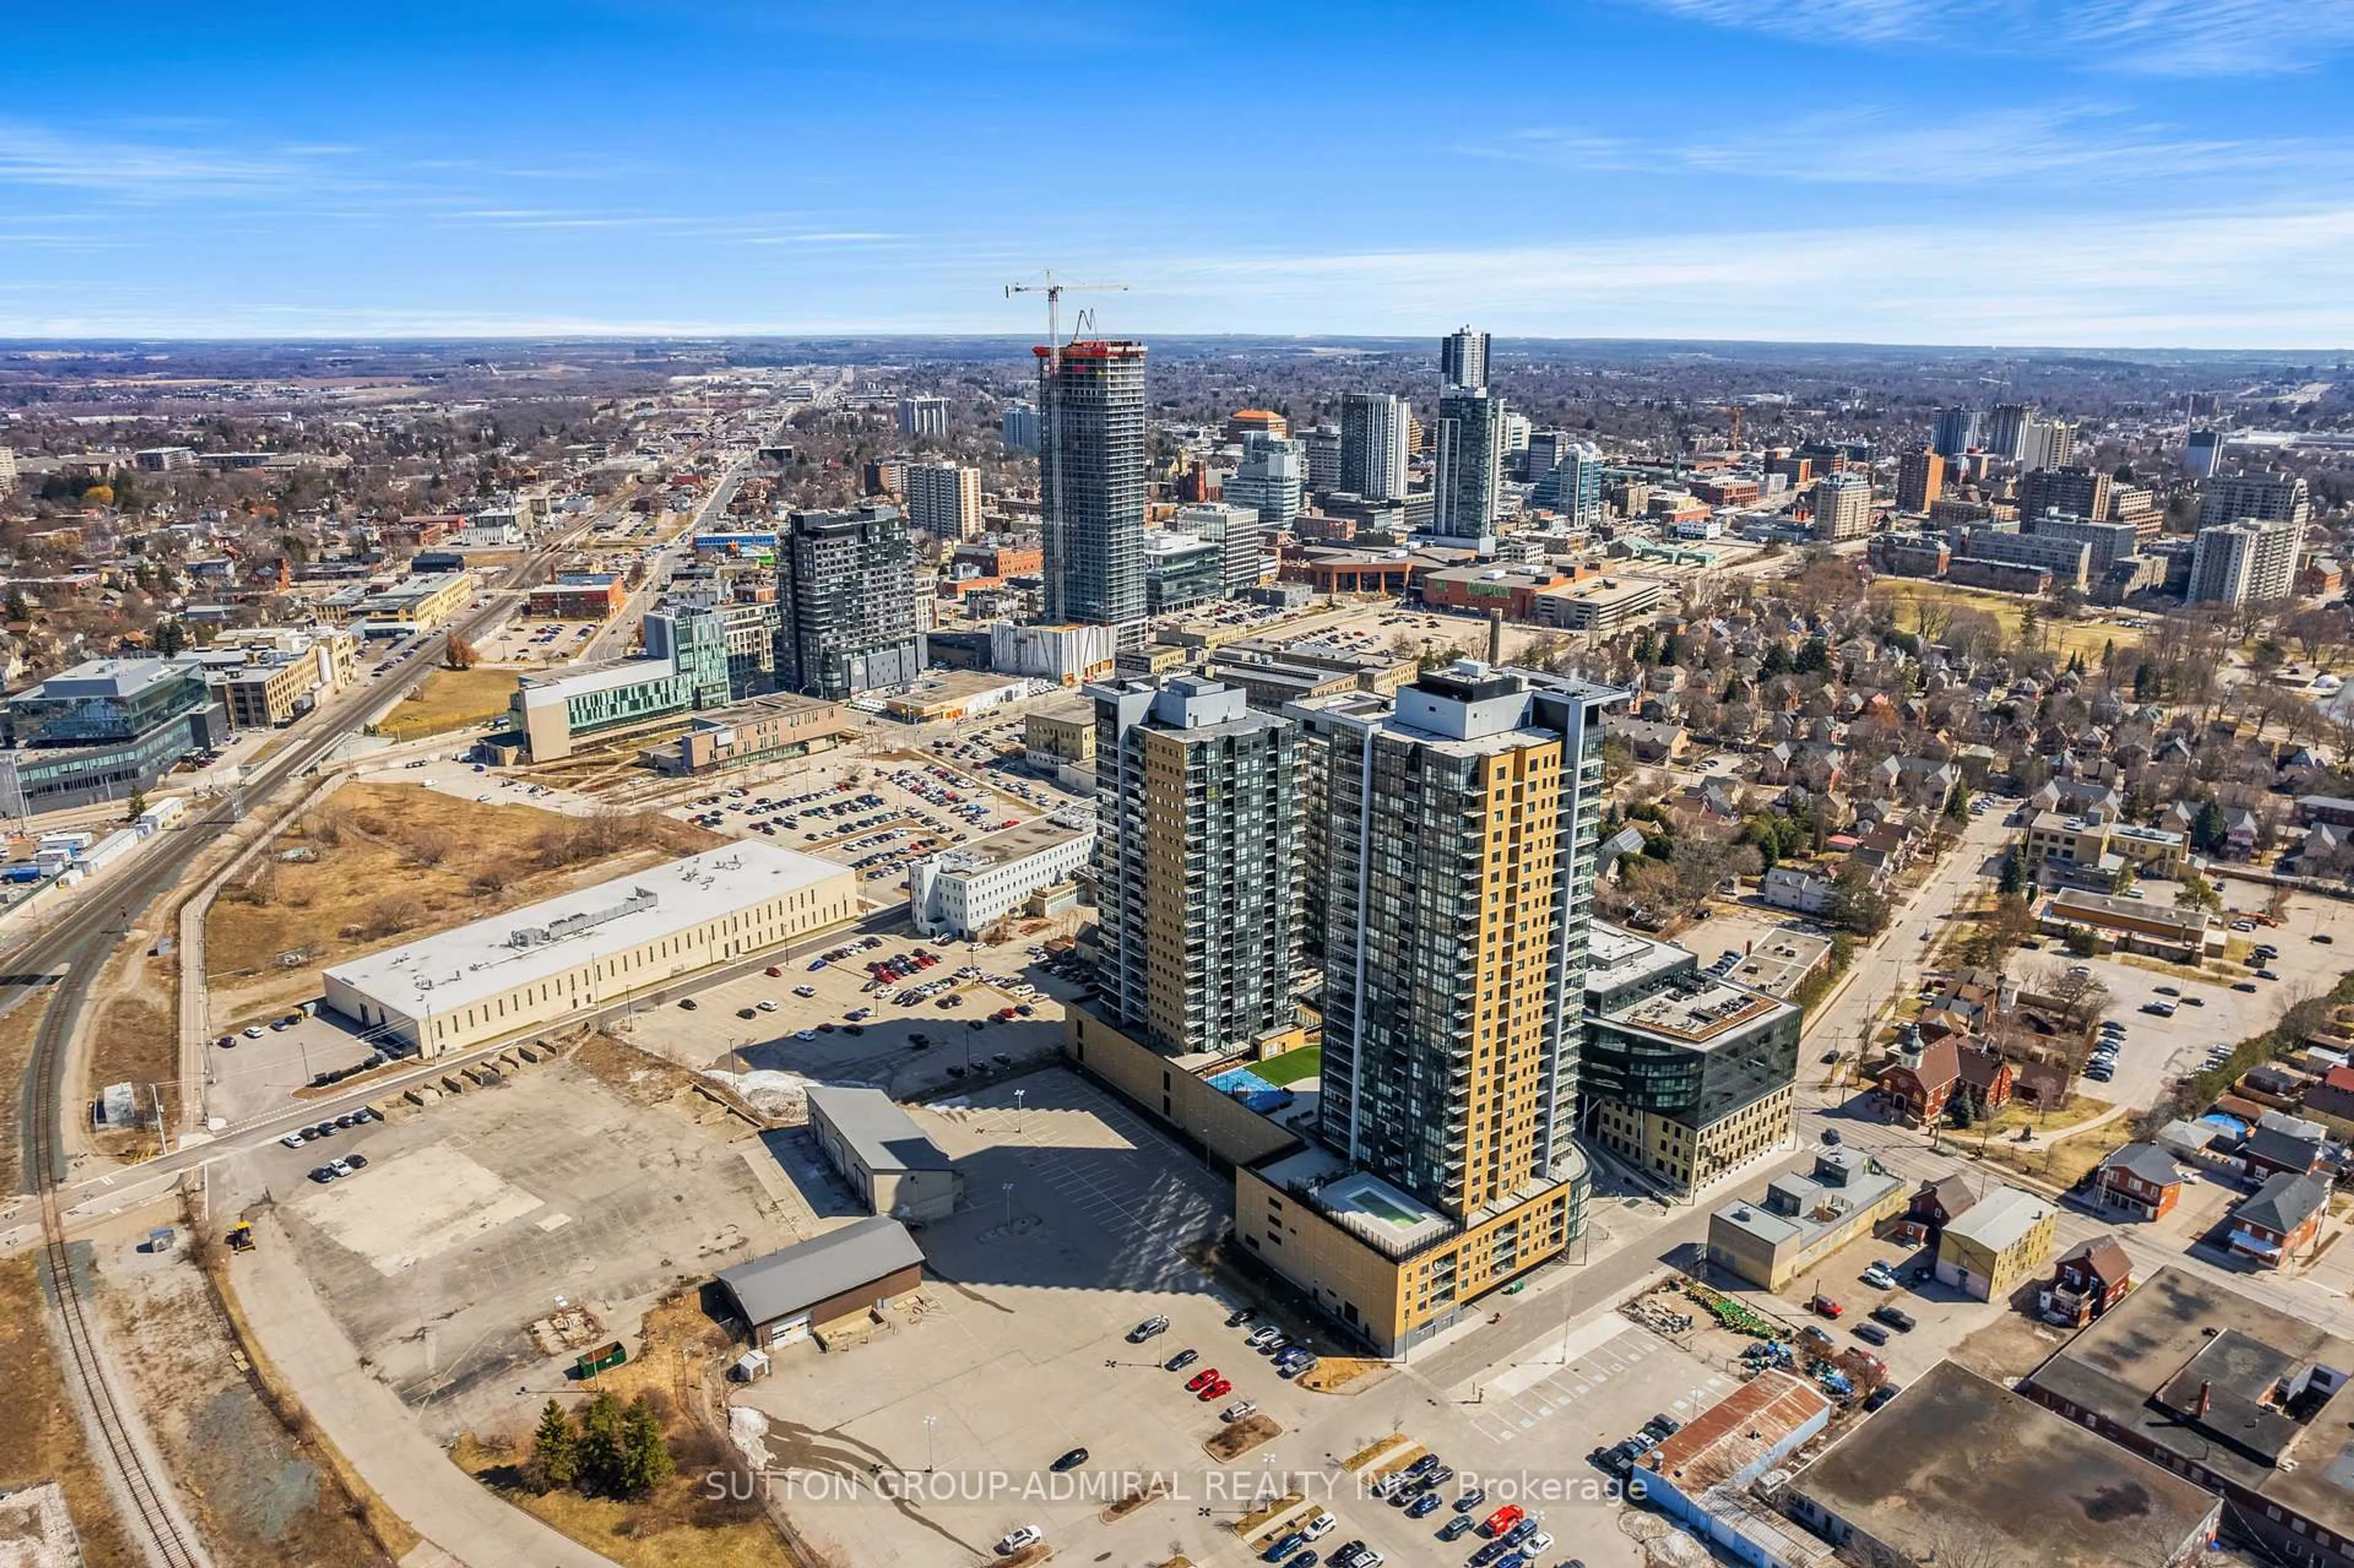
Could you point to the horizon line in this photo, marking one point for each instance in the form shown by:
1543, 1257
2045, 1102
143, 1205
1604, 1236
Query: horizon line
716, 336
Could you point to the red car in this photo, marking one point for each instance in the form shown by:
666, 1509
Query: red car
1201, 1380
773, 972
1219, 1390
1502, 1519
1826, 1306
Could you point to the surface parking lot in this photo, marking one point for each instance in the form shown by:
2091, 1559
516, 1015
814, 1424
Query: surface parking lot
1079, 1222
876, 820
767, 1048
2157, 1049
1076, 1225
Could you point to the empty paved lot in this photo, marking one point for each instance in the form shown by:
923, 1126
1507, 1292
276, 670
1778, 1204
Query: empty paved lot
479, 1215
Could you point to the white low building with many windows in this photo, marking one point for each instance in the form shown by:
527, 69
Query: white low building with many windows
592, 948
961, 893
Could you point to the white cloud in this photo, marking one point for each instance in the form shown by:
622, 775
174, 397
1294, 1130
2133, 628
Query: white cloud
2228, 279
39, 155
2073, 145
2159, 38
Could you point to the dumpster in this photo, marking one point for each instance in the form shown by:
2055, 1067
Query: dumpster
591, 1362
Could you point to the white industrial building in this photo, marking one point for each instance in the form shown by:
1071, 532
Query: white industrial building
591, 947
960, 893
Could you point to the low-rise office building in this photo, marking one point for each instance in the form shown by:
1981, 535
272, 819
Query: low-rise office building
1802, 1220
1997, 1245
764, 729
1060, 733
409, 605
876, 1147
592, 948
2136, 926
2094, 843
580, 596
960, 893
1683, 1075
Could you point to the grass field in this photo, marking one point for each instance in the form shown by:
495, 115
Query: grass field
2064, 637
1292, 1066
380, 862
451, 699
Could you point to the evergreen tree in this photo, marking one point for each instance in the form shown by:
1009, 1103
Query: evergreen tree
604, 1442
1777, 661
170, 637
1814, 657
554, 1448
646, 1457
2014, 873
2141, 682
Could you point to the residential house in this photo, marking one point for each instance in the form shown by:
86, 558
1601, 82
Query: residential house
1924, 781
1988, 1079
2088, 1280
2140, 1178
1649, 741
2288, 1146
1941, 1202
2334, 1095
2284, 1215
2335, 810
1807, 890
2044, 1084
2240, 830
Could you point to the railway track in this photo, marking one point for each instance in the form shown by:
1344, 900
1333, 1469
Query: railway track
156, 1522
71, 954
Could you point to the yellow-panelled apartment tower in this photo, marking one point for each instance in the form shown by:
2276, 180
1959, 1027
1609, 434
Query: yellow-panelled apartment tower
1459, 840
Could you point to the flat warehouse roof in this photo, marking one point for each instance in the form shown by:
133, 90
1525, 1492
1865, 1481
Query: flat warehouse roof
462, 967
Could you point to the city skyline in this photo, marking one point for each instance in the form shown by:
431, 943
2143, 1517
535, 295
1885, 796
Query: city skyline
2169, 173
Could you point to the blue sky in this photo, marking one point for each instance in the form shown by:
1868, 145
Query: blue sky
2020, 172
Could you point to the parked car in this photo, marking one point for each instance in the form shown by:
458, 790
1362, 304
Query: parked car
1070, 1461
1147, 1329
1870, 1333
1020, 1540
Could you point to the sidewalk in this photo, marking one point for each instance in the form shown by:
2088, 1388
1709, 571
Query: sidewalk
374, 1432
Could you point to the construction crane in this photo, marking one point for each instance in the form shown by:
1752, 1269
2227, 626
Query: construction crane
1734, 410
1053, 289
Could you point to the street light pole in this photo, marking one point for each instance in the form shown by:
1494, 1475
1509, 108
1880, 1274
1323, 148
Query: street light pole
1007, 1188
1017, 1111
